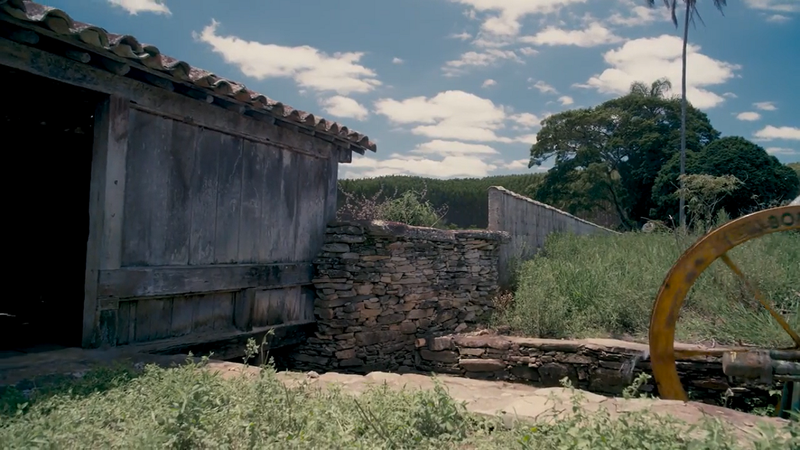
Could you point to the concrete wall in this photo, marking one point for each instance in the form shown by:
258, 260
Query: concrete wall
383, 285
528, 224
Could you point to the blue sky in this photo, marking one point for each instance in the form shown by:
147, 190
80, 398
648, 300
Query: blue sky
456, 88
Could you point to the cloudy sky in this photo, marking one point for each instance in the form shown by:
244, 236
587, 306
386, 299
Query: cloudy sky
457, 88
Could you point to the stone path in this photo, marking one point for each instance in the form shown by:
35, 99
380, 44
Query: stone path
519, 401
509, 400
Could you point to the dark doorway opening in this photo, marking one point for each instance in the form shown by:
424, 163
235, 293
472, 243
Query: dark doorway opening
46, 129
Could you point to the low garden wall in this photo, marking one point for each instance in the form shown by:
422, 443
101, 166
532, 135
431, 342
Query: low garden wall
383, 285
605, 366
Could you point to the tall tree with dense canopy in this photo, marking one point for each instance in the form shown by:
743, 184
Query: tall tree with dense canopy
765, 181
689, 15
612, 153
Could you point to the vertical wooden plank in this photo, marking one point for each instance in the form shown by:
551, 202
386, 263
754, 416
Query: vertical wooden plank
304, 203
203, 195
182, 315
307, 296
203, 315
261, 300
286, 218
223, 310
311, 208
243, 306
277, 305
107, 191
271, 232
126, 322
179, 165
153, 319
332, 178
147, 187
229, 198
251, 221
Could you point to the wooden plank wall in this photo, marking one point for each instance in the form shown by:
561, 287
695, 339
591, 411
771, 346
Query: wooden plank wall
529, 223
215, 212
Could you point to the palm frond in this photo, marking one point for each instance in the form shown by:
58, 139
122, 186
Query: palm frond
672, 5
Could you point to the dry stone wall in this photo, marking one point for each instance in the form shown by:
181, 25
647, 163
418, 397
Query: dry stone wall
605, 366
382, 286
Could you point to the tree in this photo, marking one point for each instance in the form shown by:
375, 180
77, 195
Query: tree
612, 153
689, 15
704, 193
765, 181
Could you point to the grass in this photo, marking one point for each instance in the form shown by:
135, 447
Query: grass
592, 286
191, 408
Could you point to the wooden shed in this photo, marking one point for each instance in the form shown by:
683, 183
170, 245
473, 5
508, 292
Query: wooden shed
152, 203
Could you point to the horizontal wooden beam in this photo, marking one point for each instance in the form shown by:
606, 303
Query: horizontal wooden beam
137, 282
227, 345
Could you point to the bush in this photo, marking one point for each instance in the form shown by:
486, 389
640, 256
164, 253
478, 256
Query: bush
590, 286
411, 207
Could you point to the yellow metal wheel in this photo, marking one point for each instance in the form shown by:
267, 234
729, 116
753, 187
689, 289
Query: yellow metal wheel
687, 270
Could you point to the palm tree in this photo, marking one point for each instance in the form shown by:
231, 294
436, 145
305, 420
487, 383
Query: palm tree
689, 15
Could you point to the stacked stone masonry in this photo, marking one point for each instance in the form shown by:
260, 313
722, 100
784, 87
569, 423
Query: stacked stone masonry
603, 366
381, 286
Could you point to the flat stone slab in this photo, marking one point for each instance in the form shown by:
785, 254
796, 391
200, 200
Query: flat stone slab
516, 401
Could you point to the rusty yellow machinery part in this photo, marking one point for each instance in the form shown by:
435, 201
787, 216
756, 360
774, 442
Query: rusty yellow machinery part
680, 279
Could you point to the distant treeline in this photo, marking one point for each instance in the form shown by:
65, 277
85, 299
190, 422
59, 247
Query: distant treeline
466, 199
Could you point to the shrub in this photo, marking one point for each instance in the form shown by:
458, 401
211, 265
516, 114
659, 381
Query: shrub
410, 207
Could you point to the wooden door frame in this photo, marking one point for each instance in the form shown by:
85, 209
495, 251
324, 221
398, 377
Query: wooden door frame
106, 208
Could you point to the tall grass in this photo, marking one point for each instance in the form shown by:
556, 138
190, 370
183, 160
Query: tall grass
192, 408
590, 286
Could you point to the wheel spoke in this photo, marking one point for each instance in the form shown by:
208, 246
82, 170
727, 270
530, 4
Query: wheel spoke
761, 299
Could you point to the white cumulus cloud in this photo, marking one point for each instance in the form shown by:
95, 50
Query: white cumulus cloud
448, 115
485, 58
596, 34
503, 16
488, 83
341, 106
397, 60
770, 132
765, 106
136, 6
526, 120
774, 5
543, 87
307, 66
566, 100
446, 148
748, 116
397, 164
648, 59
781, 151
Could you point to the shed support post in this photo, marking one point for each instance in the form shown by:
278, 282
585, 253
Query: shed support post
106, 205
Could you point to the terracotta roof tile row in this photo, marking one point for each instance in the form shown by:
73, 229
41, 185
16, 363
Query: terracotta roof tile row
149, 56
